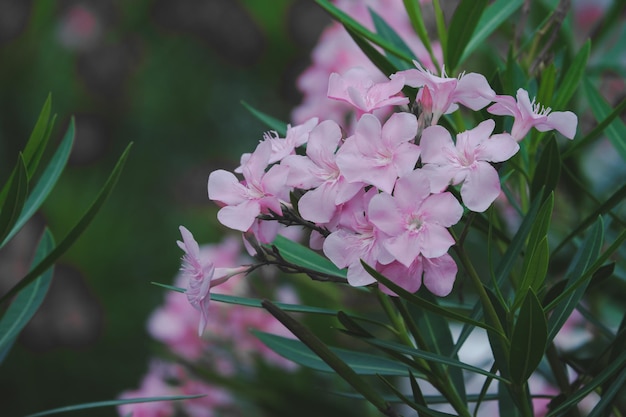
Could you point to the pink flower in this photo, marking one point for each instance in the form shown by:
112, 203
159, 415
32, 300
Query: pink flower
467, 162
319, 172
415, 219
438, 274
471, 90
357, 87
529, 114
260, 192
281, 147
379, 155
356, 238
201, 275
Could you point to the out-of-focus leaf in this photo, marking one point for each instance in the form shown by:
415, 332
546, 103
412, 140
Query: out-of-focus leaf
15, 198
608, 372
492, 18
329, 357
112, 403
615, 199
572, 78
304, 257
585, 256
361, 363
389, 34
46, 183
463, 24
546, 85
616, 131
596, 132
362, 31
548, 170
421, 409
75, 232
27, 301
277, 125
528, 341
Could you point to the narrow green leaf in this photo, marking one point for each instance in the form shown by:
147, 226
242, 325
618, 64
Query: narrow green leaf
546, 84
616, 131
381, 61
548, 170
499, 346
506, 404
73, 234
609, 395
442, 31
252, 302
430, 356
112, 403
46, 183
596, 132
27, 301
462, 25
435, 332
607, 373
38, 138
361, 363
492, 18
420, 302
586, 255
306, 258
572, 78
362, 31
327, 355
271, 122
528, 342
389, 34
414, 11
15, 198
421, 409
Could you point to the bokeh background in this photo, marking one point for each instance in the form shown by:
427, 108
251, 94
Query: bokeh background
168, 76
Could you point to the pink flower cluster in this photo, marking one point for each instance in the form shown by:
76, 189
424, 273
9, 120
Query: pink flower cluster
226, 350
384, 194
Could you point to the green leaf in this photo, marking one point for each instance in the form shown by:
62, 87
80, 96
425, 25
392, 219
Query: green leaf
252, 302
38, 138
462, 25
528, 342
350, 23
329, 357
381, 61
112, 403
421, 409
616, 131
73, 234
306, 258
361, 363
435, 332
492, 18
546, 84
607, 373
609, 395
390, 35
586, 255
277, 125
499, 346
15, 198
414, 11
548, 170
572, 78
420, 302
433, 357
27, 301
596, 132
46, 183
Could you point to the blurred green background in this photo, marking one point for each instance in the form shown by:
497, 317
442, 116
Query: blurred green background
168, 76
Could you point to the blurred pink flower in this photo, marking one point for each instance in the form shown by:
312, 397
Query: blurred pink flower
529, 114
357, 87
